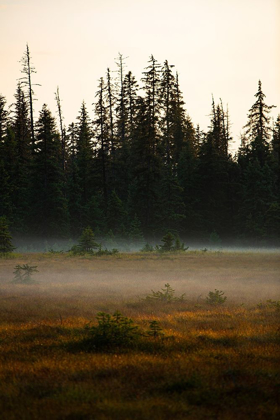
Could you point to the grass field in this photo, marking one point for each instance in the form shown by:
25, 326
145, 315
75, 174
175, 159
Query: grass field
213, 362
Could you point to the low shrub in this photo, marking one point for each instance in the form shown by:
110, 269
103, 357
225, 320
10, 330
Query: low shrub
165, 295
112, 331
171, 243
216, 298
155, 330
23, 274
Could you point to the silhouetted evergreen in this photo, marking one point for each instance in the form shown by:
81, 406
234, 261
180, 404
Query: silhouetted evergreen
48, 212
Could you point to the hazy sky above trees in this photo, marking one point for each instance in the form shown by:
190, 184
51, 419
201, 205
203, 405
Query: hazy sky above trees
219, 47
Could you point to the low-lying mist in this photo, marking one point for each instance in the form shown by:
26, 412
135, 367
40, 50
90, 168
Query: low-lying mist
91, 283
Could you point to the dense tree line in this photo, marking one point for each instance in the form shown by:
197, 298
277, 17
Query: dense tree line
140, 168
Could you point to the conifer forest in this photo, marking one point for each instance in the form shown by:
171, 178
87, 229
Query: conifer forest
139, 168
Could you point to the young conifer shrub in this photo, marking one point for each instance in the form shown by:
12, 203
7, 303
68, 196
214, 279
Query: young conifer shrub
155, 330
168, 241
112, 331
216, 298
166, 294
171, 243
23, 273
86, 242
179, 246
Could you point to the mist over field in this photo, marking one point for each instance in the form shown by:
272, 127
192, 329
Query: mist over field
244, 277
183, 358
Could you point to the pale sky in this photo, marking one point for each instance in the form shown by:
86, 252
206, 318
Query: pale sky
219, 47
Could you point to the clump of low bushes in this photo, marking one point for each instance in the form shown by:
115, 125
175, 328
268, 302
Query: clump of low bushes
118, 332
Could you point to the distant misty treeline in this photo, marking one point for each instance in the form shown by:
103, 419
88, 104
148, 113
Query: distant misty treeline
140, 168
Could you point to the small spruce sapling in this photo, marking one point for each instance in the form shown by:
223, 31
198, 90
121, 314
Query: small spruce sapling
112, 331
165, 295
155, 330
86, 242
23, 273
179, 246
171, 243
216, 298
167, 240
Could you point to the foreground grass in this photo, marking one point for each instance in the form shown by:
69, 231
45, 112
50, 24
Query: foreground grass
219, 362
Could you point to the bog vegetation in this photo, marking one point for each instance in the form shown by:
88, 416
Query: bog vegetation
88, 338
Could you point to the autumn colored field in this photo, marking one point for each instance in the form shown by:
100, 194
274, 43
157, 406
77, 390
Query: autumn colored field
207, 362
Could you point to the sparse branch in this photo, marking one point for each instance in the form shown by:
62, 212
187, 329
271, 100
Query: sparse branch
62, 131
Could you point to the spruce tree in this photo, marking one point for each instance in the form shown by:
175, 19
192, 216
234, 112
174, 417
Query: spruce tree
73, 186
5, 173
87, 241
84, 161
213, 177
258, 130
258, 178
101, 126
130, 93
20, 125
49, 213
151, 87
146, 170
167, 100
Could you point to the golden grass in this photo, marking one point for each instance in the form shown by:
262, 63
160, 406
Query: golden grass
214, 362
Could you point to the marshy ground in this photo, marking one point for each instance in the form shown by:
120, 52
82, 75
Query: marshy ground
219, 362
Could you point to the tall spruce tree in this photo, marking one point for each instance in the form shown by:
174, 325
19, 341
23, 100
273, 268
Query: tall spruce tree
49, 214
151, 87
167, 100
20, 124
258, 193
213, 175
146, 172
74, 191
6, 151
84, 147
130, 96
257, 129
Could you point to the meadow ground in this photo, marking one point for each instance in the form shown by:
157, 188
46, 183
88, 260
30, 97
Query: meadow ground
213, 361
